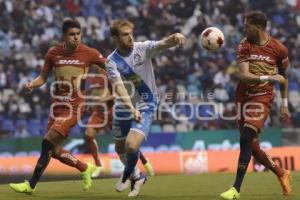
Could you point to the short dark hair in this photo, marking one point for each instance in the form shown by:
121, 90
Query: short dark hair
257, 18
116, 25
70, 23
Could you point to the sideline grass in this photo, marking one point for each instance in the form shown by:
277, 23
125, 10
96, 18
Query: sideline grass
257, 186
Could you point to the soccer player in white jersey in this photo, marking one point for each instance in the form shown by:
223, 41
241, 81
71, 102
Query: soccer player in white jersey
130, 64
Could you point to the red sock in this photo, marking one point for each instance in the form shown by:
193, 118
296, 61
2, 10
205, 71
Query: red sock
93, 146
265, 159
67, 158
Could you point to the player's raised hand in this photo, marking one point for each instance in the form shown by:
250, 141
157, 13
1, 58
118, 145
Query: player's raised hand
29, 87
180, 39
277, 78
284, 114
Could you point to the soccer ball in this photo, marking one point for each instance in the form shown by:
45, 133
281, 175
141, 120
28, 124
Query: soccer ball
212, 39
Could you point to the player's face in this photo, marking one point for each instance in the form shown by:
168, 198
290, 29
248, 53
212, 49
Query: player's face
251, 31
72, 38
125, 38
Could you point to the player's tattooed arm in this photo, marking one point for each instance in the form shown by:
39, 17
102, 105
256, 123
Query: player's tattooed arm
37, 82
171, 41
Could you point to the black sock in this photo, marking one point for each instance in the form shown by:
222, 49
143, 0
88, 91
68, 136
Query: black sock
132, 159
42, 163
143, 158
247, 136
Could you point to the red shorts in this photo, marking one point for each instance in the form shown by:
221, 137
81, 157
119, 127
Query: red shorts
63, 118
254, 110
101, 118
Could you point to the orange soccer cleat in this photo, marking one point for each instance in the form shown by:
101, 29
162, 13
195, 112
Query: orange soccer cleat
285, 183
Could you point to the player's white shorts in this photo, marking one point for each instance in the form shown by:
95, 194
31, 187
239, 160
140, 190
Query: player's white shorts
123, 123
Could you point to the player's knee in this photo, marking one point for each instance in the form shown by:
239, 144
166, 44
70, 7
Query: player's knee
56, 153
248, 134
119, 150
90, 133
131, 147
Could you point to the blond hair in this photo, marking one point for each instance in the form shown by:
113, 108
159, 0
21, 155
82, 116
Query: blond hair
116, 25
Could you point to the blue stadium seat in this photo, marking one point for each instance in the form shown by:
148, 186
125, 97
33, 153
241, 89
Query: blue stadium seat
21, 122
7, 125
44, 125
35, 127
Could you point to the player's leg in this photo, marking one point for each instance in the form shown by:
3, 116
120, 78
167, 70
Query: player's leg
143, 158
90, 136
51, 140
120, 138
120, 150
67, 158
147, 164
263, 158
63, 127
132, 145
248, 132
137, 134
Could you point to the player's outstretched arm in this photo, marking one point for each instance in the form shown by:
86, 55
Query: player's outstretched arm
171, 41
37, 82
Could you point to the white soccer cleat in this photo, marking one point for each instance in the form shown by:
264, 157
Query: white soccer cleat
136, 185
120, 186
96, 173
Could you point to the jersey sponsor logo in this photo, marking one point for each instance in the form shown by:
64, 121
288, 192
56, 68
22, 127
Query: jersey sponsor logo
69, 62
260, 57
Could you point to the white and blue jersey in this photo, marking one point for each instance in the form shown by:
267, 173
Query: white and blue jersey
137, 74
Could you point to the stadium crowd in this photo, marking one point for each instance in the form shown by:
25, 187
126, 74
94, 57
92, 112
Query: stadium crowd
186, 77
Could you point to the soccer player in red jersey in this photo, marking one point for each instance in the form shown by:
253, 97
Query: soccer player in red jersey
102, 117
262, 61
69, 62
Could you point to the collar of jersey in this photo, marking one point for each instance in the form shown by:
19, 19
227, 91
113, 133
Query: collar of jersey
117, 51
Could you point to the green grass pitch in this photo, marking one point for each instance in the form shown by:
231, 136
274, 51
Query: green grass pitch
257, 186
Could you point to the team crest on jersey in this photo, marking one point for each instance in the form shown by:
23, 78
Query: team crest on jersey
137, 58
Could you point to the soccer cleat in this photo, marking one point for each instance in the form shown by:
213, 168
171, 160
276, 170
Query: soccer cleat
285, 183
120, 186
87, 176
232, 193
22, 187
96, 173
136, 185
149, 168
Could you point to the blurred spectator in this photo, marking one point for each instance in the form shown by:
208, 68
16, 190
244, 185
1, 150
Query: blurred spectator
29, 28
3, 78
